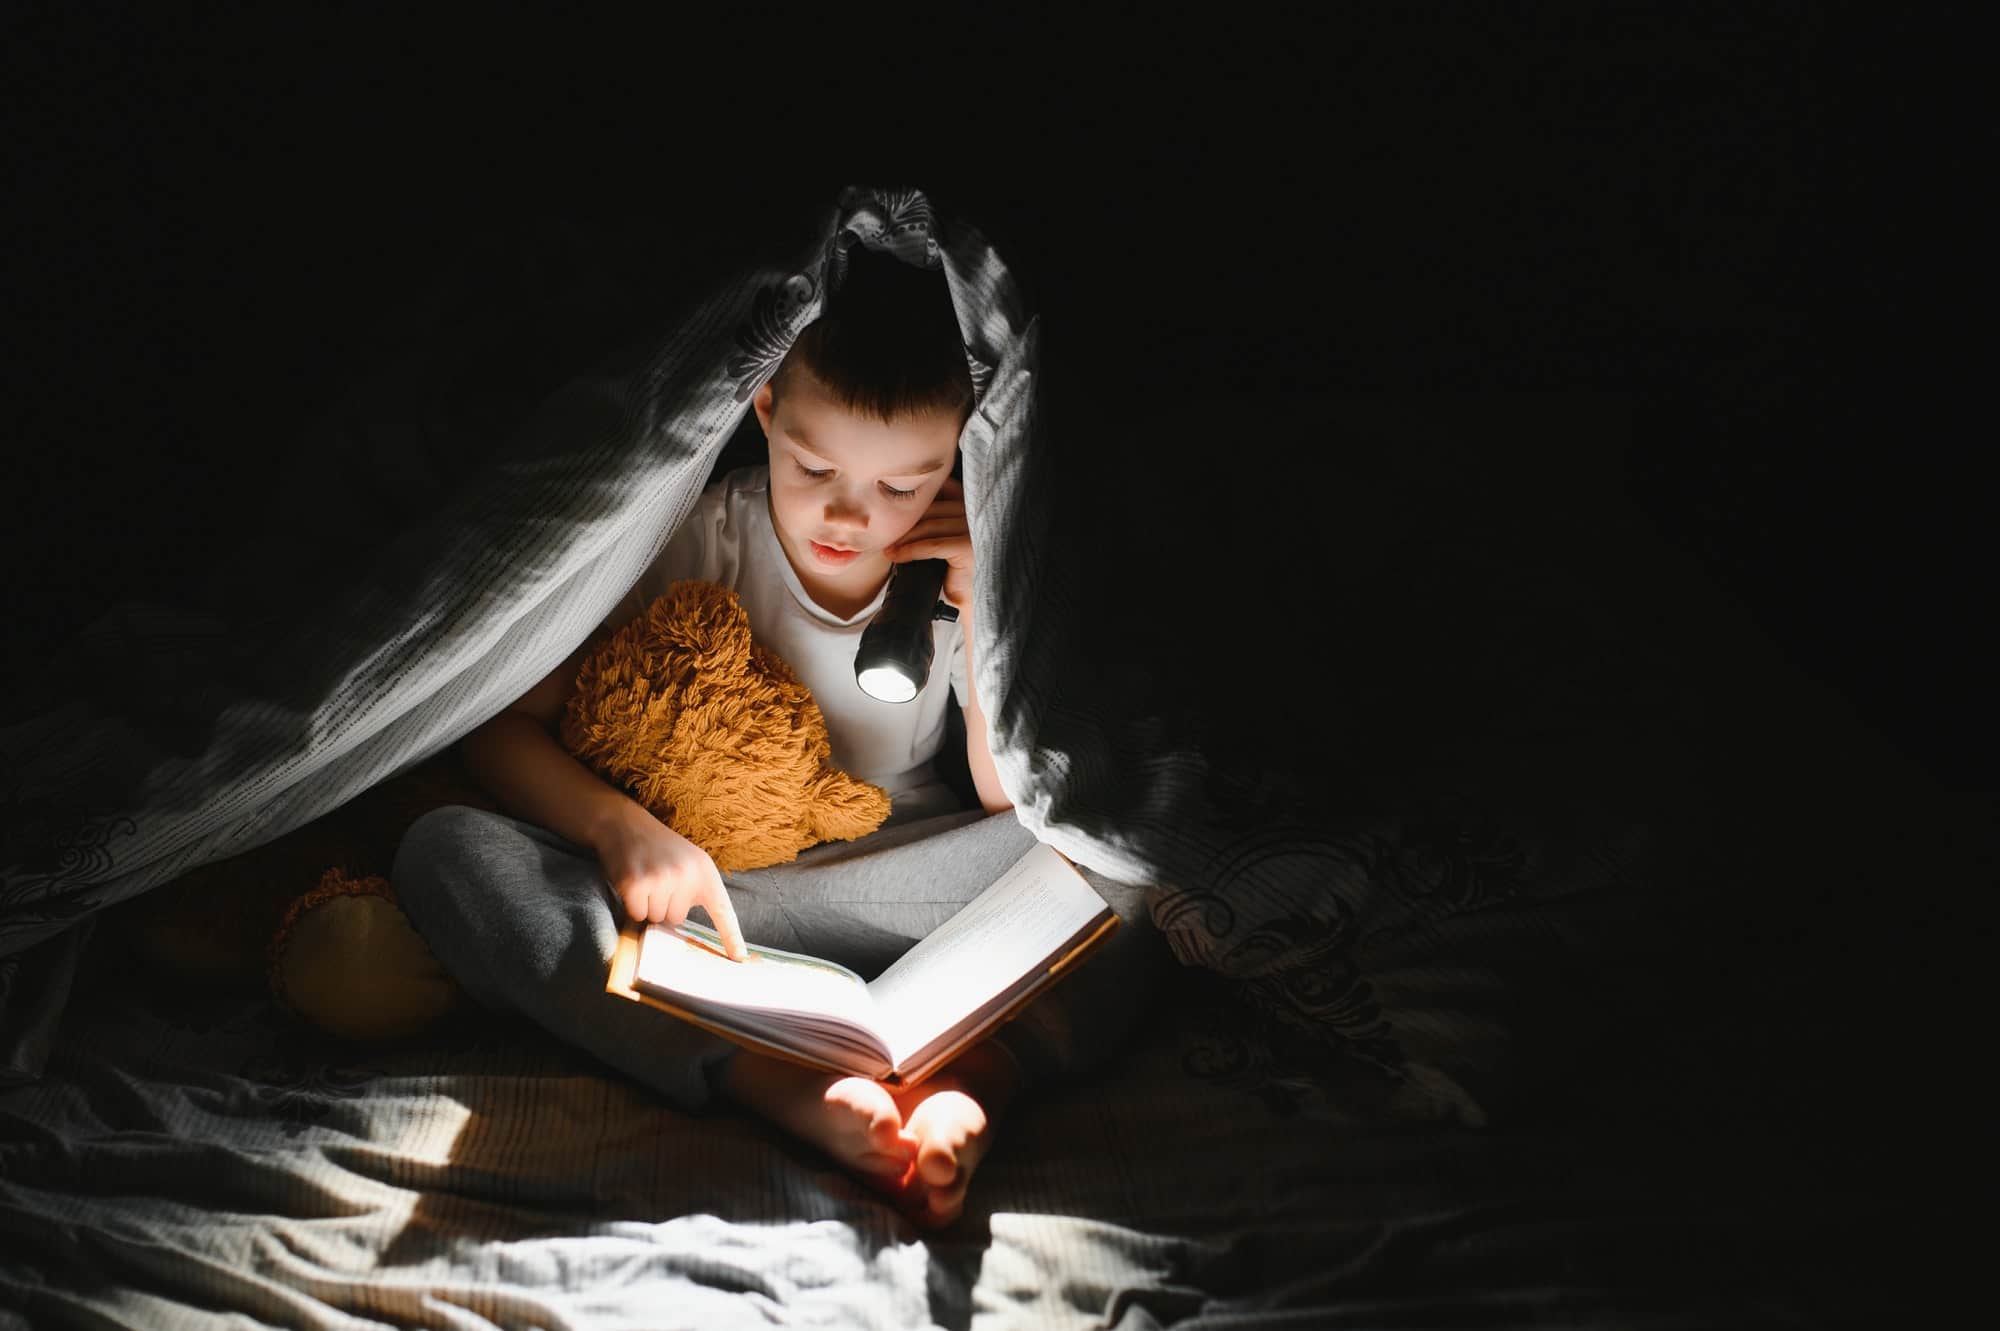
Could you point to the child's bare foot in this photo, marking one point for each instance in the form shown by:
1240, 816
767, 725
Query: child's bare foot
852, 1119
948, 1122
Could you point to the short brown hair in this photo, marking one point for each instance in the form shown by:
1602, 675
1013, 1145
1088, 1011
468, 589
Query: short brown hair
886, 345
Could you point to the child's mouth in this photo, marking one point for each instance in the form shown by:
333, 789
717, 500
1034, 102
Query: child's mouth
827, 554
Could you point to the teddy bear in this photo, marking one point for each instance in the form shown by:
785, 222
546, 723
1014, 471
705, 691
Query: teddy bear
714, 734
681, 708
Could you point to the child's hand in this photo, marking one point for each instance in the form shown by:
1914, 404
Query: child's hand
943, 533
660, 875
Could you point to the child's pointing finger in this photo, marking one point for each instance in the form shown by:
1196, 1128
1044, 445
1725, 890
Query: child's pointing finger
723, 912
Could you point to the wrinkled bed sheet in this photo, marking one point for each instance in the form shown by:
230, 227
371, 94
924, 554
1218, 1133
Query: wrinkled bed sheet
202, 1162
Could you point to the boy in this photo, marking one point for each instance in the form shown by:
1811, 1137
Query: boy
861, 423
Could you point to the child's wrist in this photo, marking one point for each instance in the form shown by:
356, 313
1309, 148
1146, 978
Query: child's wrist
611, 818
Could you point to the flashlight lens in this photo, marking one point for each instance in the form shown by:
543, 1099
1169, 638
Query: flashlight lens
886, 684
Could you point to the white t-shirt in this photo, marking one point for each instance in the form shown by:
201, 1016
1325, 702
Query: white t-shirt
729, 539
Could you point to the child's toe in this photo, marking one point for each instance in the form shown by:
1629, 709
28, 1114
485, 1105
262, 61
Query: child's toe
882, 1166
885, 1133
937, 1165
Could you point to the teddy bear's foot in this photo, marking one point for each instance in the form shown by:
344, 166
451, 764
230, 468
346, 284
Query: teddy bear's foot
348, 960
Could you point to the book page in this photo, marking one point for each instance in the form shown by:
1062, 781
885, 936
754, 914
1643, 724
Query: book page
687, 964
1013, 929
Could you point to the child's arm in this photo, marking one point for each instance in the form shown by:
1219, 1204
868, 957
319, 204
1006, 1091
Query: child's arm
656, 872
516, 756
943, 533
992, 796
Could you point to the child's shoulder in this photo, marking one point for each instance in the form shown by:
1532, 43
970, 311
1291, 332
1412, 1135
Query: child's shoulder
736, 495
728, 509
751, 479
733, 491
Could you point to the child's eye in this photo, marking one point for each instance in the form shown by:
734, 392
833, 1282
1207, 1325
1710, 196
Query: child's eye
822, 473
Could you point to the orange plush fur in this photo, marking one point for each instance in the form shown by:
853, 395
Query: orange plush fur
714, 734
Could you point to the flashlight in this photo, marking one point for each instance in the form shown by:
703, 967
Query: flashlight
894, 660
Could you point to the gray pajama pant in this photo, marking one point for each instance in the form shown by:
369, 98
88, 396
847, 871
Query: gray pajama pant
526, 922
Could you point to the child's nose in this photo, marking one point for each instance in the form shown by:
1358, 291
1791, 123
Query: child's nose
846, 508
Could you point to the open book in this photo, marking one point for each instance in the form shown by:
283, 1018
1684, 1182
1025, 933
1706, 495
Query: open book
967, 976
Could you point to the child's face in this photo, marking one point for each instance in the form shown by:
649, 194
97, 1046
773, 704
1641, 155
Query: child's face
845, 486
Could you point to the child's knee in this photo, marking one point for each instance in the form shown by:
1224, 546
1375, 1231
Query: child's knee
433, 844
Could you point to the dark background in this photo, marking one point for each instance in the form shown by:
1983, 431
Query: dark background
1721, 215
